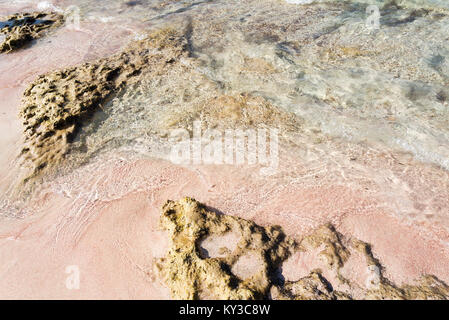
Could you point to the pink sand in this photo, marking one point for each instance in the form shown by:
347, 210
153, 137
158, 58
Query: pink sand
114, 242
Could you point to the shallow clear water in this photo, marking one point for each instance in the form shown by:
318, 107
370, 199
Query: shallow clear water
351, 90
389, 85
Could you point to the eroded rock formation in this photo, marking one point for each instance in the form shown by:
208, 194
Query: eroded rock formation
56, 104
251, 269
191, 276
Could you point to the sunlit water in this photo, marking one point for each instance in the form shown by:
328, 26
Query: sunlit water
361, 97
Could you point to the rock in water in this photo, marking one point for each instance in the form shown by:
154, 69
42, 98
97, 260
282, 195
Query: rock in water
252, 270
57, 104
21, 29
190, 276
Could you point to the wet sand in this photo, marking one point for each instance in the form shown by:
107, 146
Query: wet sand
115, 241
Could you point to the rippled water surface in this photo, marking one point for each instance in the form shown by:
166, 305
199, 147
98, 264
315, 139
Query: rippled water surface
355, 94
321, 63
